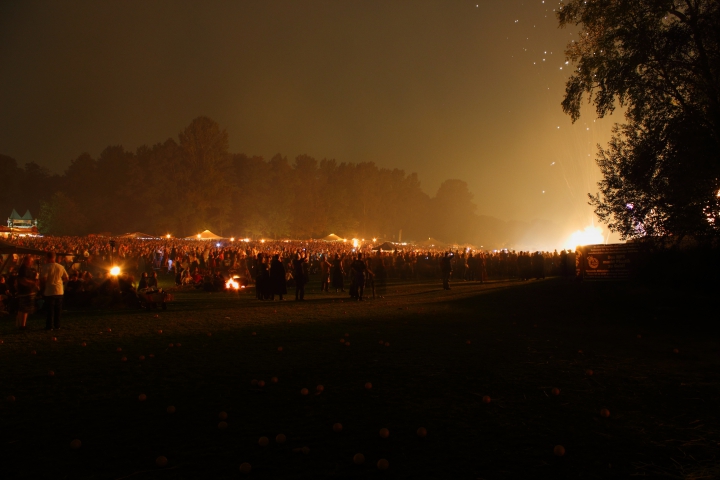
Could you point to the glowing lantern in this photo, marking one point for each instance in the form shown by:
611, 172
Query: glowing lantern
222, 416
222, 425
383, 464
559, 450
75, 444
359, 459
274, 379
368, 386
161, 461
422, 432
263, 441
245, 468
171, 409
604, 412
115, 271
280, 439
337, 428
555, 391
486, 399
320, 388
384, 433
304, 391
51, 373
142, 397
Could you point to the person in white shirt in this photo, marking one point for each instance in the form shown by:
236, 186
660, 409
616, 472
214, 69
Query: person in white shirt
53, 275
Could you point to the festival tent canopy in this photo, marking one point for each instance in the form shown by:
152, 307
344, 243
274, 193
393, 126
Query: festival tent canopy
206, 235
430, 242
386, 247
138, 235
332, 238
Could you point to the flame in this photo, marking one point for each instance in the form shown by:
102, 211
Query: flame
115, 271
590, 236
232, 284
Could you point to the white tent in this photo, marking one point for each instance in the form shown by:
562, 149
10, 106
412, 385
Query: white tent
138, 235
332, 238
206, 235
430, 242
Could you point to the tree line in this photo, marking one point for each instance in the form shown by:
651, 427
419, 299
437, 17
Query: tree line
194, 183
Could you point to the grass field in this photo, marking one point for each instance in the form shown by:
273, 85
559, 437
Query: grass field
441, 353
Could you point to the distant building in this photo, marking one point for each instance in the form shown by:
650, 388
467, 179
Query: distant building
17, 225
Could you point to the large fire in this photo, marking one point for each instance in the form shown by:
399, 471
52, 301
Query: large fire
590, 236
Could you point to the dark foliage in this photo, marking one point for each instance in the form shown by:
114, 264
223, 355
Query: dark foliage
195, 183
660, 60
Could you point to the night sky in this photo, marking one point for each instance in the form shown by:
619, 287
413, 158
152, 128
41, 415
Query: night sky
447, 89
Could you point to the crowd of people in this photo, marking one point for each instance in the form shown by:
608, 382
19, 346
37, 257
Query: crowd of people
271, 266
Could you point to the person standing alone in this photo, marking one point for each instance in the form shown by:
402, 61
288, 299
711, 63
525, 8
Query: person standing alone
53, 275
446, 270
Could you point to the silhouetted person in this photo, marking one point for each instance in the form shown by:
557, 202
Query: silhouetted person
337, 274
358, 276
277, 278
325, 268
53, 275
300, 274
27, 288
446, 270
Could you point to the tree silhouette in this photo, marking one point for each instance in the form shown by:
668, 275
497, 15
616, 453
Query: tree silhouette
660, 59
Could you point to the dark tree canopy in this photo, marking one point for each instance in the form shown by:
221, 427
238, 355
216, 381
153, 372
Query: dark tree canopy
186, 185
660, 60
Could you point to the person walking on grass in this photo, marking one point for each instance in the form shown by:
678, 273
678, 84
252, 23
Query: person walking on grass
27, 288
52, 275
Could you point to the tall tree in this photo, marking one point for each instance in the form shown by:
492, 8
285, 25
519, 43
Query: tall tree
660, 59
61, 215
453, 209
203, 176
